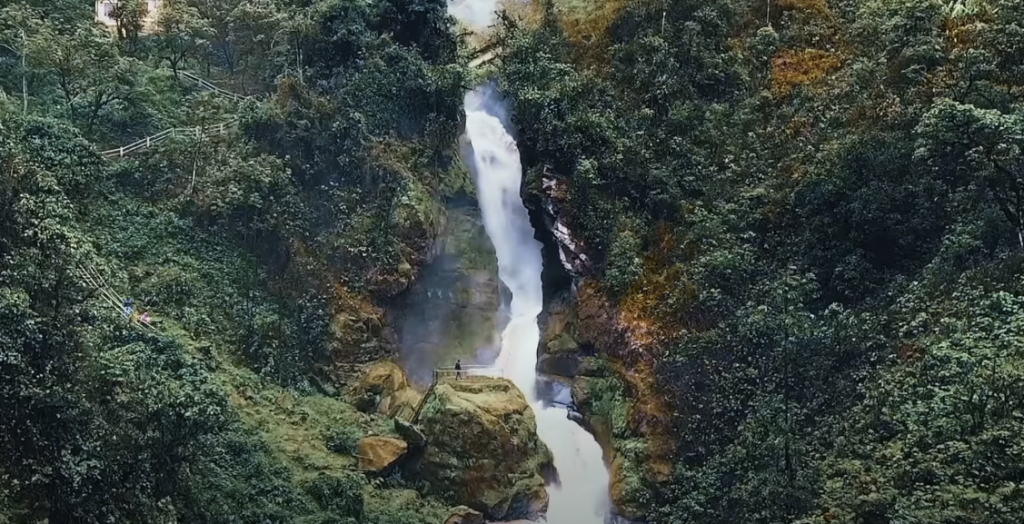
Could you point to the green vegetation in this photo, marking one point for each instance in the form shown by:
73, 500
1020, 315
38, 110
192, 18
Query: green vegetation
806, 216
263, 253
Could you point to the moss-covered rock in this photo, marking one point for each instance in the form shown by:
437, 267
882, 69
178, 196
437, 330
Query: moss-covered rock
483, 448
559, 325
605, 407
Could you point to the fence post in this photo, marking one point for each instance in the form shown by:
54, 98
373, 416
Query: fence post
120, 151
147, 142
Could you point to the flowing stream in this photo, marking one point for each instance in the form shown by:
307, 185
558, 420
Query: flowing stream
581, 494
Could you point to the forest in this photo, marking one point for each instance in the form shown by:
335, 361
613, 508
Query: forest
806, 217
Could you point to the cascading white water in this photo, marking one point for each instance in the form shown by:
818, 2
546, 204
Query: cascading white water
581, 495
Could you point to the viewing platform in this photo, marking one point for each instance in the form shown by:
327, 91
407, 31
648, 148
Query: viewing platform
468, 372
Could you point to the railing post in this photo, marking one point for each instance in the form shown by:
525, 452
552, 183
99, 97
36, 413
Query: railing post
120, 151
147, 142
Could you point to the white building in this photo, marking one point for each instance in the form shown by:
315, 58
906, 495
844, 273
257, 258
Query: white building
104, 8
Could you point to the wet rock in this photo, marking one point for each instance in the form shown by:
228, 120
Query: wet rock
410, 433
559, 326
598, 425
553, 195
483, 448
377, 454
465, 515
560, 365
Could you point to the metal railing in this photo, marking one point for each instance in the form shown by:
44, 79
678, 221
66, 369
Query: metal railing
215, 129
469, 370
209, 86
149, 141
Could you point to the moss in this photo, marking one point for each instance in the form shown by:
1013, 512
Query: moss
792, 68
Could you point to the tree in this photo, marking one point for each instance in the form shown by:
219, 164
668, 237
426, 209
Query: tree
182, 33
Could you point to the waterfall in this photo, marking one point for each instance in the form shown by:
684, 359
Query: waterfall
581, 494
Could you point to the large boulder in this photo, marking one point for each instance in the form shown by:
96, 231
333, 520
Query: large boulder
483, 448
383, 378
377, 454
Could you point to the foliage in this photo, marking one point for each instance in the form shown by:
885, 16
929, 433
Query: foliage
806, 216
260, 262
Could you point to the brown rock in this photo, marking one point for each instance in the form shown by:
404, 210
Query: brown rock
377, 454
465, 515
400, 404
383, 378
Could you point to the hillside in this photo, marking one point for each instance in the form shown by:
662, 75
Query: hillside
263, 254
802, 228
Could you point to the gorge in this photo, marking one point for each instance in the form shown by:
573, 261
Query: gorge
580, 494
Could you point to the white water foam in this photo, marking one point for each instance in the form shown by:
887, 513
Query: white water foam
581, 495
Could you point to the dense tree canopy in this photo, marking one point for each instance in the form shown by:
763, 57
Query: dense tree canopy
260, 248
815, 207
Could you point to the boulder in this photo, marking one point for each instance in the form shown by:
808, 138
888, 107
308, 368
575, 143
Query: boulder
383, 378
483, 448
410, 433
400, 404
377, 454
465, 515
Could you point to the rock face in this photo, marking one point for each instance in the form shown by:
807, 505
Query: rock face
450, 312
483, 448
377, 454
559, 352
553, 193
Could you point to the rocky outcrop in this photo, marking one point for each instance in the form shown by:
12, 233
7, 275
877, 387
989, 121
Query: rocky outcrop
483, 448
553, 194
559, 353
378, 454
